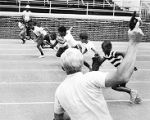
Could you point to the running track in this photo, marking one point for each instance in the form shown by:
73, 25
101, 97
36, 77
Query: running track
27, 83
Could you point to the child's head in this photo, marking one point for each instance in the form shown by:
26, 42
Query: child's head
27, 7
84, 37
107, 47
33, 24
62, 31
38, 24
53, 36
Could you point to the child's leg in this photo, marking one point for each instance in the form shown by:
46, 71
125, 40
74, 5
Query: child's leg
39, 43
22, 36
134, 97
47, 40
122, 88
61, 50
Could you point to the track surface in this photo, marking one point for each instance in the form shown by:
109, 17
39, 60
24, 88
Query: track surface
28, 84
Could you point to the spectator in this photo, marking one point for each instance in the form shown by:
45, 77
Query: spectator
27, 20
80, 95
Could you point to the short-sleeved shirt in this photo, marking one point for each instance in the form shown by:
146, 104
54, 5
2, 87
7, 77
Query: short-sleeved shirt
21, 25
114, 58
89, 46
64, 42
43, 32
26, 15
70, 40
38, 30
80, 95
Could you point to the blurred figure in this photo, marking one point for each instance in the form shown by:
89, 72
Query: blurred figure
22, 33
27, 20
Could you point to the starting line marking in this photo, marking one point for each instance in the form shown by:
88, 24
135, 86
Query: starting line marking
36, 103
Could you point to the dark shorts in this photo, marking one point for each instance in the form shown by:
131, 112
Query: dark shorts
96, 63
61, 50
46, 37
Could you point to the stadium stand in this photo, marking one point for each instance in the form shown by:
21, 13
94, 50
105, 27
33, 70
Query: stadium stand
90, 7
99, 28
145, 11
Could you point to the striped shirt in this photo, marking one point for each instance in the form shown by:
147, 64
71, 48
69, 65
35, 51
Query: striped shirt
114, 58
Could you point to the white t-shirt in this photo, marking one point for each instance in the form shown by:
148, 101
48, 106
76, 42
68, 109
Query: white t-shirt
43, 32
20, 25
89, 46
70, 40
80, 95
37, 30
63, 44
26, 15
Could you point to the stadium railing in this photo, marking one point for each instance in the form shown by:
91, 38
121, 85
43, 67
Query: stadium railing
145, 10
101, 7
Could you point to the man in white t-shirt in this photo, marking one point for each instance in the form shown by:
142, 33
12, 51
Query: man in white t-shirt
80, 95
27, 20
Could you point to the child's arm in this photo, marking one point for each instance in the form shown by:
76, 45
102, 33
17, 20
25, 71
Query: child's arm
87, 65
85, 51
95, 51
120, 54
70, 28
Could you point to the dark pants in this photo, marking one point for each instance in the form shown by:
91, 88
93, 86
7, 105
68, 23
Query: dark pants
46, 41
28, 28
96, 63
122, 88
61, 50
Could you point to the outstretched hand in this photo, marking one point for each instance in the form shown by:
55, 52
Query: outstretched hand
136, 34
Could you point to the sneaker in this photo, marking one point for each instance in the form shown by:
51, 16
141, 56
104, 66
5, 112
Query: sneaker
138, 100
133, 95
41, 56
23, 42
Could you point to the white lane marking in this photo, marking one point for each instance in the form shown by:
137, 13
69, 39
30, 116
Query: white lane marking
37, 103
39, 82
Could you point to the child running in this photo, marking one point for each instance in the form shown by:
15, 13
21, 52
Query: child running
65, 40
87, 46
115, 59
41, 35
22, 33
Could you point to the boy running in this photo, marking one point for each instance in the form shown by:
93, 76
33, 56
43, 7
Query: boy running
41, 35
87, 46
115, 59
22, 33
65, 40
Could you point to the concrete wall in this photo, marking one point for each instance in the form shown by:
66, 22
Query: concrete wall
98, 27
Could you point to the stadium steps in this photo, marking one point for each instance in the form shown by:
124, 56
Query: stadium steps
62, 7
